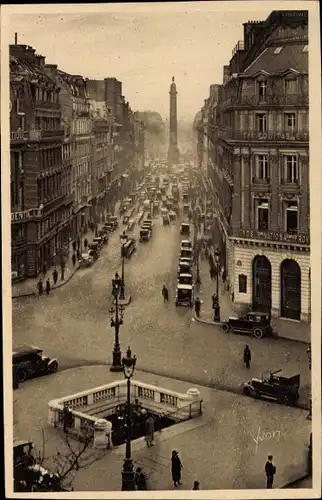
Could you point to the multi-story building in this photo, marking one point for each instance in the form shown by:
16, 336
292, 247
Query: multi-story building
77, 125
40, 201
139, 138
260, 142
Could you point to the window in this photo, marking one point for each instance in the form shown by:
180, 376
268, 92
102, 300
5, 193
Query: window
262, 215
261, 123
242, 283
290, 121
291, 217
262, 171
291, 173
290, 86
278, 50
262, 90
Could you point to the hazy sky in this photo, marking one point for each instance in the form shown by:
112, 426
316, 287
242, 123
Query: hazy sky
143, 49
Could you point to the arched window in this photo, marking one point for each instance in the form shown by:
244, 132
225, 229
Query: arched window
262, 283
290, 289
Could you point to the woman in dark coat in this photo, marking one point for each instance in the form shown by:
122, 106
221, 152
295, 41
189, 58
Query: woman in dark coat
176, 467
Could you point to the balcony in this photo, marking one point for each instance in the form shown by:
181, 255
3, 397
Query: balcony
261, 183
274, 236
35, 135
269, 100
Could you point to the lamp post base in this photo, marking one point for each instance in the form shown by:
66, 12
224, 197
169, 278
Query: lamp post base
217, 314
128, 483
116, 365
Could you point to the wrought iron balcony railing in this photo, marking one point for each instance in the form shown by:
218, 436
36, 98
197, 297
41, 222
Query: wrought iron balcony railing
268, 100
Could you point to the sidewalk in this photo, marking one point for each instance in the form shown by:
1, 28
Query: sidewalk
243, 431
28, 287
293, 330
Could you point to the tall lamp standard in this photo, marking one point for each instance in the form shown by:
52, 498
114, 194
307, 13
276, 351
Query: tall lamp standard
128, 364
116, 322
217, 306
123, 241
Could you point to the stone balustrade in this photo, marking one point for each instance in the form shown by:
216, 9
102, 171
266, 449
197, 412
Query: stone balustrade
184, 406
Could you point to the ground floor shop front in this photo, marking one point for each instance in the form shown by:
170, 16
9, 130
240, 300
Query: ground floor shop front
271, 278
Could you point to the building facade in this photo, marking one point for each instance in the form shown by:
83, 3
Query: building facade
40, 201
77, 125
260, 145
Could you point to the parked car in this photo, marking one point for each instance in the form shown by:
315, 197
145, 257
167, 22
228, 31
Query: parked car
256, 323
186, 244
145, 234
128, 248
277, 386
29, 361
86, 260
99, 241
184, 295
184, 267
186, 252
185, 279
113, 220
185, 228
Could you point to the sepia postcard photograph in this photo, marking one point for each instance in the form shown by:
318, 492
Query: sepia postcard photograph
161, 250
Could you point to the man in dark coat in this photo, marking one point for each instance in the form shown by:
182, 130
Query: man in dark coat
85, 243
74, 259
55, 276
47, 286
247, 356
165, 293
40, 287
270, 471
74, 246
176, 467
140, 479
197, 306
44, 269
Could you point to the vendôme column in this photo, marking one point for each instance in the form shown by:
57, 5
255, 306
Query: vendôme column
173, 152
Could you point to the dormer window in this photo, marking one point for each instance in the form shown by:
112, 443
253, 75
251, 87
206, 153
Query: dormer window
290, 86
262, 90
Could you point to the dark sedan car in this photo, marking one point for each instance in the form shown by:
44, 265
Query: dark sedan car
29, 361
256, 323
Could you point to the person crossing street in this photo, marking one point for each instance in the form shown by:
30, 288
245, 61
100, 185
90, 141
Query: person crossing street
165, 293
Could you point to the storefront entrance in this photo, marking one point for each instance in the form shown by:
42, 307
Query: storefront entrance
290, 289
262, 284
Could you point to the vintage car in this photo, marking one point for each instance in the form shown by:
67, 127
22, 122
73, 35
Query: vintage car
185, 228
29, 361
166, 219
186, 209
184, 267
256, 323
184, 295
94, 250
99, 241
113, 220
185, 198
186, 244
85, 260
277, 386
108, 227
186, 252
104, 235
185, 279
172, 215
126, 218
128, 248
145, 234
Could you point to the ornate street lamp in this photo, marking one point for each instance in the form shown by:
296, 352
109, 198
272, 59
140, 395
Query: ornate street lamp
123, 241
217, 306
128, 484
116, 322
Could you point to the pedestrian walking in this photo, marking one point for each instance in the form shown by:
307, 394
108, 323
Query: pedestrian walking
270, 471
196, 485
165, 294
140, 479
176, 467
247, 356
85, 243
40, 287
55, 276
47, 286
74, 246
149, 431
197, 306
44, 269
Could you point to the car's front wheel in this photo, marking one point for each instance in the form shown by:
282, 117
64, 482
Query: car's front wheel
246, 391
53, 367
258, 333
21, 376
285, 400
225, 327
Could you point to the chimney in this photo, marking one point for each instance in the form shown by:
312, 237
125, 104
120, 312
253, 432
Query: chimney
226, 74
16, 38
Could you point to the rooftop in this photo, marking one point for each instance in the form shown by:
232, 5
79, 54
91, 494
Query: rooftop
274, 61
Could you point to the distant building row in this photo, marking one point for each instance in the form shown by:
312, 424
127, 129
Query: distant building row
253, 142
75, 145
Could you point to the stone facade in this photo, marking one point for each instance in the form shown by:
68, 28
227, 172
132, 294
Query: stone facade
258, 158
